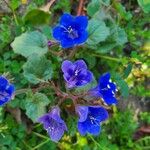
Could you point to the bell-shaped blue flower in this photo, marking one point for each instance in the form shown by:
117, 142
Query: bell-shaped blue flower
76, 74
90, 118
105, 90
6, 91
53, 124
71, 30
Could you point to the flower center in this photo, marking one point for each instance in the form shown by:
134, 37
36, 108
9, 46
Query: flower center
93, 120
72, 33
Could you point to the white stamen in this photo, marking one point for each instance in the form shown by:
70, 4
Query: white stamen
108, 86
113, 92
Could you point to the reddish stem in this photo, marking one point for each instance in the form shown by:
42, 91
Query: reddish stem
80, 8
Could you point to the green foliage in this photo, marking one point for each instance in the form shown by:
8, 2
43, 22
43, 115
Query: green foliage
37, 69
122, 11
123, 126
145, 117
97, 31
14, 4
127, 71
111, 26
36, 17
35, 105
145, 5
93, 7
30, 43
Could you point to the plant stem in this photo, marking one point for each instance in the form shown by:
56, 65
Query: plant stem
100, 147
80, 8
40, 135
29, 148
14, 14
41, 144
107, 57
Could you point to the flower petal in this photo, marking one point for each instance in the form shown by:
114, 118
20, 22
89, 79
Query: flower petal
110, 100
4, 100
94, 129
58, 33
98, 112
3, 83
66, 19
80, 64
82, 112
82, 21
82, 128
67, 43
83, 36
55, 114
66, 65
10, 89
104, 80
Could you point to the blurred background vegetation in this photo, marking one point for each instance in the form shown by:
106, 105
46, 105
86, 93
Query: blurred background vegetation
125, 52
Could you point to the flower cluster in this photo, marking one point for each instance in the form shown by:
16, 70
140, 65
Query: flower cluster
71, 32
6, 91
90, 116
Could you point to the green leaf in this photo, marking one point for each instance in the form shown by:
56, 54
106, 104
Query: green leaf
30, 43
122, 11
105, 47
37, 17
145, 5
37, 69
120, 36
98, 31
127, 71
36, 105
93, 7
122, 84
14, 4
72, 128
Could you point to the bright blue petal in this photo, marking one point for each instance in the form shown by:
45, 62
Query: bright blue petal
58, 33
82, 21
98, 112
104, 80
67, 43
4, 100
112, 86
10, 89
83, 36
110, 100
82, 128
94, 130
66, 20
3, 83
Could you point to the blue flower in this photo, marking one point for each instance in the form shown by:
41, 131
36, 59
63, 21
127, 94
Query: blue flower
53, 124
90, 118
6, 91
105, 90
76, 74
71, 31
